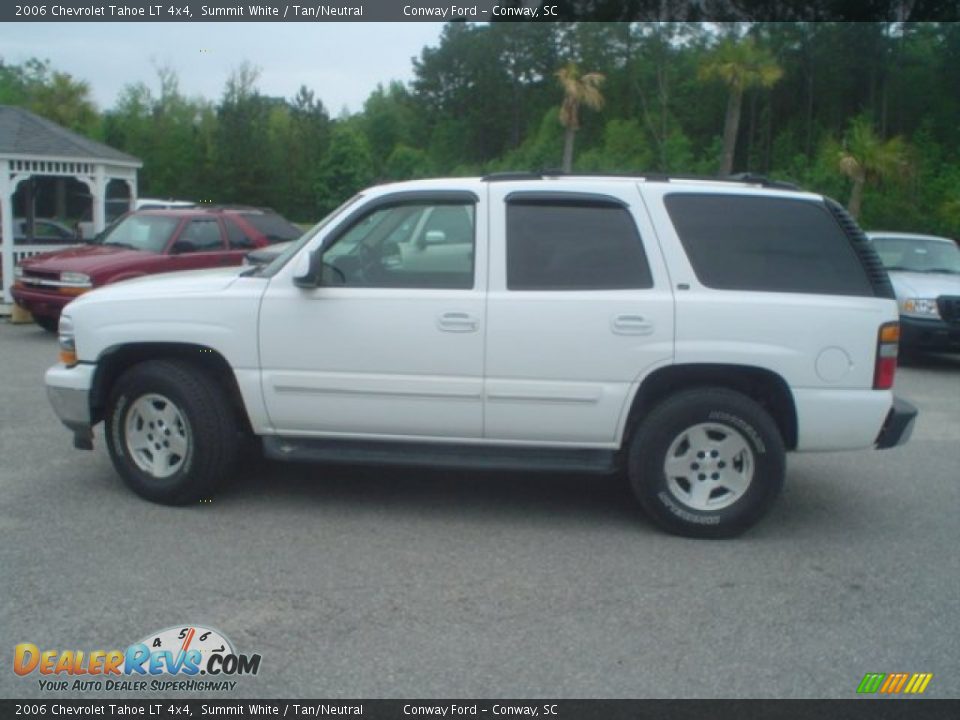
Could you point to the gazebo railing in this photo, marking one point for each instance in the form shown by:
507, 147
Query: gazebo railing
24, 251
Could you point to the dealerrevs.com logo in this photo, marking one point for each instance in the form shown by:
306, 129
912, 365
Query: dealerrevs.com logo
184, 658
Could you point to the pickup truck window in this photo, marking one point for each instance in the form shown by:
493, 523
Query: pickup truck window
573, 245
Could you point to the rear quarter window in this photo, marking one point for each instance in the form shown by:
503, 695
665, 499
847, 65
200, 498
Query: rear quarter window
737, 242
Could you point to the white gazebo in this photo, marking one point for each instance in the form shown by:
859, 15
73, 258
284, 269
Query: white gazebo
32, 146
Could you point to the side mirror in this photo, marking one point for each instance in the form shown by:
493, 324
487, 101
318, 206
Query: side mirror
307, 270
431, 237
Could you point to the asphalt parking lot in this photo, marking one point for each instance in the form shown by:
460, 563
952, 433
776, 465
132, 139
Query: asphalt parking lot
365, 582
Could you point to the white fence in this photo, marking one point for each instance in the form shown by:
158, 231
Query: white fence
24, 251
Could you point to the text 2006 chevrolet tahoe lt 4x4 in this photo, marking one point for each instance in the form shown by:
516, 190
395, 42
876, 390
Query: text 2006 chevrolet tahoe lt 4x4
688, 332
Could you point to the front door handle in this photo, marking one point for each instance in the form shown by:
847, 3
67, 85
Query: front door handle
457, 322
632, 325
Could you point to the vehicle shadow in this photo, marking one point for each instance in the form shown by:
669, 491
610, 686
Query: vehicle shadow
444, 493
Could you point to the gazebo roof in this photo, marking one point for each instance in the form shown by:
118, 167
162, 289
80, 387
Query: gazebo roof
24, 134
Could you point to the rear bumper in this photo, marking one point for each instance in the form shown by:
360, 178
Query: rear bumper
40, 302
928, 334
898, 427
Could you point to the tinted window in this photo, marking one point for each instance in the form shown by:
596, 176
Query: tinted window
561, 245
200, 236
236, 237
273, 227
766, 243
417, 245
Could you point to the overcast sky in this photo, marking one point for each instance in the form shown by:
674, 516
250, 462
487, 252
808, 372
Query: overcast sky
341, 62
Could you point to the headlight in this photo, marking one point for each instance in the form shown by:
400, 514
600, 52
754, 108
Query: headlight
920, 307
67, 342
75, 278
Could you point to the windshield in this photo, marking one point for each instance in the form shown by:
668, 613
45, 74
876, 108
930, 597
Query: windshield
141, 232
281, 259
918, 255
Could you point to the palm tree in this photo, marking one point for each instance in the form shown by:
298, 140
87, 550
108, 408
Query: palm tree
577, 90
739, 65
866, 157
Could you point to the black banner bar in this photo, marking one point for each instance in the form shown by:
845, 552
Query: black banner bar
885, 709
480, 10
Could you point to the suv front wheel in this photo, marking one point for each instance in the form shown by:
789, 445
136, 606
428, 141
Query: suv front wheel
171, 432
707, 462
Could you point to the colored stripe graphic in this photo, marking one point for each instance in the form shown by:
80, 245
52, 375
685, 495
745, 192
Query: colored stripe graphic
918, 683
871, 682
894, 683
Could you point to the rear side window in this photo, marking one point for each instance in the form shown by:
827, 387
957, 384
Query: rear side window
236, 237
766, 243
555, 244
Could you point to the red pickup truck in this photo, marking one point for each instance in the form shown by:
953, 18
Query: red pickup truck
145, 243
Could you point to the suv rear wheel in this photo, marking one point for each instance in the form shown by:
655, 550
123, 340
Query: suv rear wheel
171, 431
707, 462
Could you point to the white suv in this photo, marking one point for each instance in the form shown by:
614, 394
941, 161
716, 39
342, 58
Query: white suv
687, 332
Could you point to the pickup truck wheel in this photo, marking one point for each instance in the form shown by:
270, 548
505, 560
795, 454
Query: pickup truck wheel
171, 432
707, 462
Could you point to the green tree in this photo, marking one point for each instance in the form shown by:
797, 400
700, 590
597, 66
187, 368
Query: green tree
867, 158
578, 89
347, 167
739, 65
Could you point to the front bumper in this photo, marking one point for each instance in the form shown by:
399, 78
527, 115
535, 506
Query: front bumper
40, 302
919, 334
68, 389
898, 427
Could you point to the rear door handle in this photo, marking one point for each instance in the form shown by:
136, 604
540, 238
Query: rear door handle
457, 322
631, 325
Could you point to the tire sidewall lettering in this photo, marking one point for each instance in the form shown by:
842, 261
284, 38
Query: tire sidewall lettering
742, 425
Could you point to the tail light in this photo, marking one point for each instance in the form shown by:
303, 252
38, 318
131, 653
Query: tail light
886, 366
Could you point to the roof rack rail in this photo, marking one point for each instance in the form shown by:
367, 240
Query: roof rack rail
511, 175
741, 178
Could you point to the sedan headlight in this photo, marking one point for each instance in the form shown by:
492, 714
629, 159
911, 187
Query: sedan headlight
920, 307
76, 279
67, 342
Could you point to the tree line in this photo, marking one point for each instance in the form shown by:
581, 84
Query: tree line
864, 112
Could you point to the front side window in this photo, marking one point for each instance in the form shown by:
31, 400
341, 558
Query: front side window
573, 245
416, 245
142, 232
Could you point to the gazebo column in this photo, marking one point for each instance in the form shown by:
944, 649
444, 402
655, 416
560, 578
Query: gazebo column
98, 189
60, 198
6, 228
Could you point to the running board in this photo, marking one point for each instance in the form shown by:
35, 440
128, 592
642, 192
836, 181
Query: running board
439, 455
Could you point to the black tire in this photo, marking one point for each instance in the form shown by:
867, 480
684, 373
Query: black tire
205, 423
709, 496
50, 324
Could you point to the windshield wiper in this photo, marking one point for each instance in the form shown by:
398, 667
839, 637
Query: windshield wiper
122, 244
